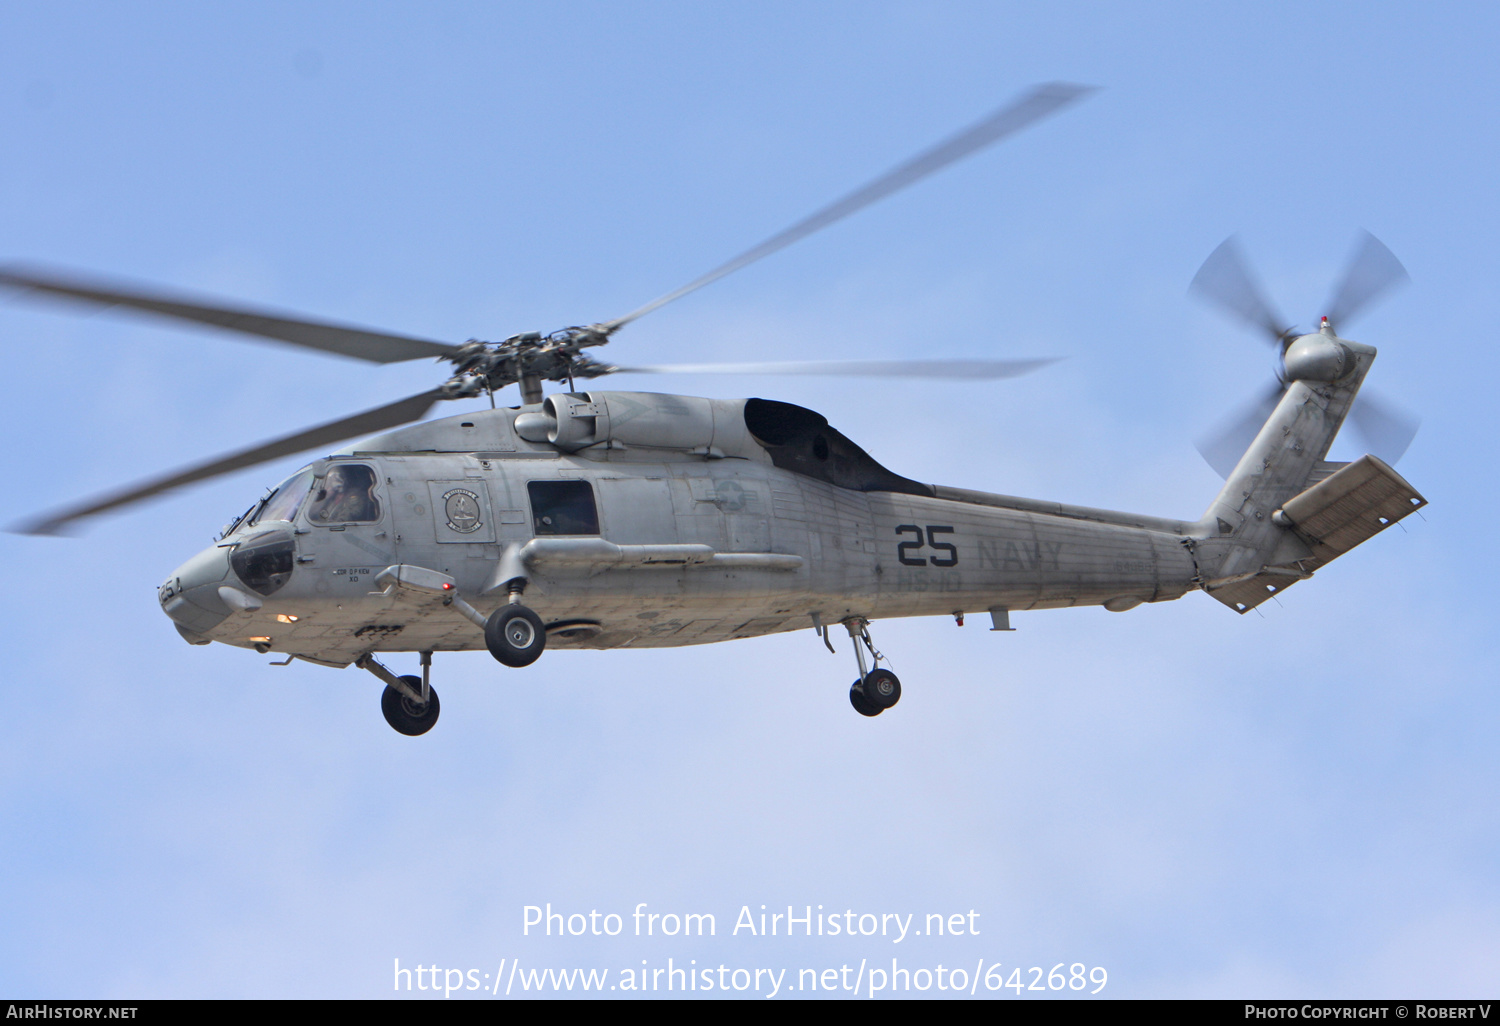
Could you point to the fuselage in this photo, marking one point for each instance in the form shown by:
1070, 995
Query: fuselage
712, 533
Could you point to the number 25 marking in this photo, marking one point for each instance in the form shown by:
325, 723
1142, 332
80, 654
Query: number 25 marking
905, 550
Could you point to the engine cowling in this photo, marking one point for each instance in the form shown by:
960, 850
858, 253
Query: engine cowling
577, 420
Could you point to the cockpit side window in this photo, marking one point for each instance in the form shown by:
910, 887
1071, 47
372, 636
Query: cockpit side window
345, 495
285, 501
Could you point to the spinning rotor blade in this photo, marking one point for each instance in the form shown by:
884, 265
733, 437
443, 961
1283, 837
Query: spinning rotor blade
377, 347
391, 415
1225, 280
963, 369
1041, 102
1373, 271
1224, 446
1387, 429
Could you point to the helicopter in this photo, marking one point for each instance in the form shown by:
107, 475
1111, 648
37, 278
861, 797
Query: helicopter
598, 519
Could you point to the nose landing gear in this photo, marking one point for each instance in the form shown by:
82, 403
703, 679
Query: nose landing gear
877, 689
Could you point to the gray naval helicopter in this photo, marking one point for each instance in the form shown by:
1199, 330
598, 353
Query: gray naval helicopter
601, 519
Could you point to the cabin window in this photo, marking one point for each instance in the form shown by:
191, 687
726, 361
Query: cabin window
345, 495
563, 507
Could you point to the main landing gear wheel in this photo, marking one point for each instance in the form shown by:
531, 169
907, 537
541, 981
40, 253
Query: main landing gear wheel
408, 717
860, 702
882, 689
515, 635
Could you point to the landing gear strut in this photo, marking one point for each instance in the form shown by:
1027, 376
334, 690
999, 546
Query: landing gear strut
513, 633
409, 703
877, 689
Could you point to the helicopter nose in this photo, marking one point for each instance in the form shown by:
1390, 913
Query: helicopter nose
191, 595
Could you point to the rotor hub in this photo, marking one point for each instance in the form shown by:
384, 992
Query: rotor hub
526, 359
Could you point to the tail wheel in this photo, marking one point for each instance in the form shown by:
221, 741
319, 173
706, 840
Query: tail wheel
862, 704
882, 689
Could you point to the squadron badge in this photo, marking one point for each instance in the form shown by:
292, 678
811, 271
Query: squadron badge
462, 509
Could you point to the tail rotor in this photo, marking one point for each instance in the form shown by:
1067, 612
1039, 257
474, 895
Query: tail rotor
1226, 281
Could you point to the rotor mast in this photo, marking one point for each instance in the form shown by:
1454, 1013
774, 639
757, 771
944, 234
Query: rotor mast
531, 389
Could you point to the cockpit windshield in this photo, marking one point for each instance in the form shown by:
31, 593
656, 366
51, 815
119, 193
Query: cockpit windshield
285, 500
234, 525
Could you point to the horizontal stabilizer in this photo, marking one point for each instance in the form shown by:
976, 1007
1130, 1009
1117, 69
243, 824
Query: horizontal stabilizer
1351, 505
1244, 592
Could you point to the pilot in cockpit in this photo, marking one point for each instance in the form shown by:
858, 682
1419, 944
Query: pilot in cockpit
347, 494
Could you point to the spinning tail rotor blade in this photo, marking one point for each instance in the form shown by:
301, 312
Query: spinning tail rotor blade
1224, 446
1225, 280
961, 369
391, 415
1039, 103
1387, 429
377, 347
1373, 271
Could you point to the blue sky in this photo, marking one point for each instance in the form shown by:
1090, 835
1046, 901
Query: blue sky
1296, 803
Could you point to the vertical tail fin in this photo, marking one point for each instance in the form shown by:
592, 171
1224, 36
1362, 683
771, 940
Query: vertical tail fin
1244, 555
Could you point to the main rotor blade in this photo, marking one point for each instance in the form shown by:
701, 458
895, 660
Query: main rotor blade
1225, 280
377, 347
394, 414
1387, 429
1226, 444
1035, 105
1373, 271
967, 369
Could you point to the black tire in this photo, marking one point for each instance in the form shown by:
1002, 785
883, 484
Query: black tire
882, 689
406, 716
515, 635
860, 702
